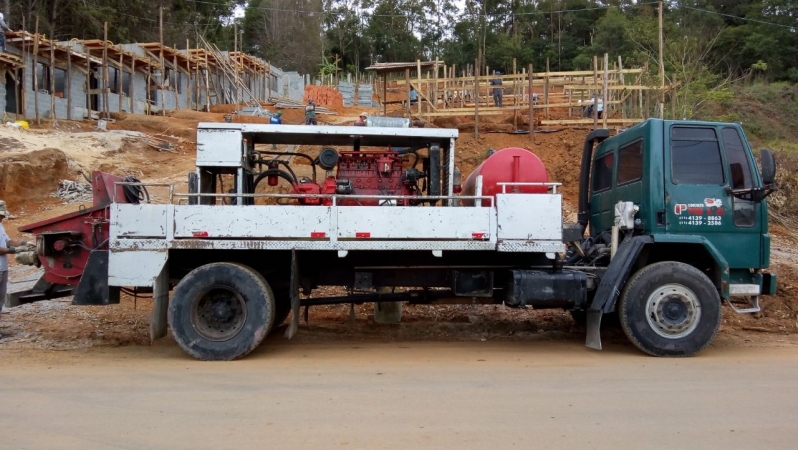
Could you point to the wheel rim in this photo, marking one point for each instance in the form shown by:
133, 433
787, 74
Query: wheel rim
218, 313
673, 311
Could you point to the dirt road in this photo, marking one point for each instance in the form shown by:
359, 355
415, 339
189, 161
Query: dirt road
349, 394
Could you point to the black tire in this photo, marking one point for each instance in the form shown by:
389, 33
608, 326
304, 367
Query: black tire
670, 309
221, 311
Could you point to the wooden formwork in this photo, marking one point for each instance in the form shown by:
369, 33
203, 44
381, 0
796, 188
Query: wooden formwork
559, 98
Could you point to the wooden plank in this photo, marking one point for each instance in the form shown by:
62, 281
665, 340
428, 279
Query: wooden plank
589, 122
539, 76
469, 112
610, 86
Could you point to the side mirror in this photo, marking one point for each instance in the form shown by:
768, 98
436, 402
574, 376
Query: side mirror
768, 167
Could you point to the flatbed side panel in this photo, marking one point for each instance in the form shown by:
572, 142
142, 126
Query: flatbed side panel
128, 220
415, 223
529, 217
275, 222
136, 245
135, 266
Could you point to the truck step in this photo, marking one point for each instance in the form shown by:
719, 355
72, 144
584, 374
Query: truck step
748, 307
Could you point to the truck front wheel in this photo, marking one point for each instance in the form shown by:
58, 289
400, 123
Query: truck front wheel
221, 311
670, 309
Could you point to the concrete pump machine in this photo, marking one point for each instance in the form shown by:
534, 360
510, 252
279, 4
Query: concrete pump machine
672, 221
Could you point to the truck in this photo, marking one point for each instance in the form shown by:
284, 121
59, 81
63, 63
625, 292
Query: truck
672, 222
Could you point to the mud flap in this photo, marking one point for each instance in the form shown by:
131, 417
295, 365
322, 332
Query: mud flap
160, 305
610, 286
93, 288
294, 292
593, 339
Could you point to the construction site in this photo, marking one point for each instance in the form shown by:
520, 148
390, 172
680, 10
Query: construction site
157, 144
132, 110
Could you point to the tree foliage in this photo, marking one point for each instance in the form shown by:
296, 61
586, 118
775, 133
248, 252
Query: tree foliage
729, 38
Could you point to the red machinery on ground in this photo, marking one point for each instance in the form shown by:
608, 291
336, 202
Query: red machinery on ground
65, 244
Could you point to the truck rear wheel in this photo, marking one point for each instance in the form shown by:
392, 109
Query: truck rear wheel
670, 309
221, 311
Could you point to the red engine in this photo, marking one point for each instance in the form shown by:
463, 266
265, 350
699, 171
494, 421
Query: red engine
361, 173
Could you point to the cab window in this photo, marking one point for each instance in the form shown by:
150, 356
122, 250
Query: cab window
695, 156
602, 172
739, 167
630, 163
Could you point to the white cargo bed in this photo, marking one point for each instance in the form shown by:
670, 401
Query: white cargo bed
142, 235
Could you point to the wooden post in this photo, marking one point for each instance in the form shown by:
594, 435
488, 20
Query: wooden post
515, 97
106, 84
435, 85
207, 84
546, 88
68, 92
149, 87
623, 82
120, 75
22, 104
88, 82
594, 96
604, 91
407, 83
418, 77
163, 67
176, 76
384, 94
476, 96
130, 97
52, 80
661, 68
35, 77
531, 107
235, 63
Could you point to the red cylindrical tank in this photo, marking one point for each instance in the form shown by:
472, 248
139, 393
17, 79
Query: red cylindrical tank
508, 165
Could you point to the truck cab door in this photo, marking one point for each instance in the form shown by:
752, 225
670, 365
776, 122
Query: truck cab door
703, 166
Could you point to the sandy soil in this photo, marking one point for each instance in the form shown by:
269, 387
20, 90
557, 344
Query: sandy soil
398, 394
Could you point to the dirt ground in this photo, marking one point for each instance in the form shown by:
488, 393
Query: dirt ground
540, 392
33, 161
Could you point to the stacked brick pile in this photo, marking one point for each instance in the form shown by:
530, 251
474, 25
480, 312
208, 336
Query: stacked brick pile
324, 96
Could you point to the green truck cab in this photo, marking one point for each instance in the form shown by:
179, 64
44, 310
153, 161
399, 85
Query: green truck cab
700, 219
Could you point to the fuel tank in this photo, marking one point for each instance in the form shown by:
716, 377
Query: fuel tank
511, 164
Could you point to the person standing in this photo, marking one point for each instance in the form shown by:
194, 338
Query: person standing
276, 119
413, 95
497, 91
7, 247
361, 121
310, 113
3, 29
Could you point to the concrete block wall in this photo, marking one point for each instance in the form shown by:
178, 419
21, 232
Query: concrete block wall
288, 84
293, 86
